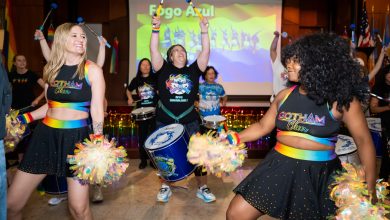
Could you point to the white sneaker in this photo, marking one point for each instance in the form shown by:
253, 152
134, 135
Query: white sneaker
56, 200
205, 194
164, 194
97, 194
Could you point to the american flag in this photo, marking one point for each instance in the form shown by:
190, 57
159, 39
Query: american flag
365, 39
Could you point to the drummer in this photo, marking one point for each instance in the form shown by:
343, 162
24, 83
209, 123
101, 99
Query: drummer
145, 84
211, 94
178, 85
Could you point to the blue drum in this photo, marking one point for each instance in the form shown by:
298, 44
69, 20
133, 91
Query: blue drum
346, 149
167, 147
55, 185
374, 124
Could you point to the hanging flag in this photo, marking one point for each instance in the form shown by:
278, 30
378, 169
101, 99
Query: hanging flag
365, 39
9, 39
114, 57
50, 34
386, 32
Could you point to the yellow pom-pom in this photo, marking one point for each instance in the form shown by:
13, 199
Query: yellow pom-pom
98, 161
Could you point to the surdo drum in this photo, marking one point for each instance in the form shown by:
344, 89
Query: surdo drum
346, 149
143, 113
167, 147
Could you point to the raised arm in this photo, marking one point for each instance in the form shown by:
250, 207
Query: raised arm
357, 126
204, 55
274, 45
43, 43
378, 64
102, 51
156, 58
98, 88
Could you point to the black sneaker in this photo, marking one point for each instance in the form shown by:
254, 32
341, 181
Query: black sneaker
152, 164
143, 164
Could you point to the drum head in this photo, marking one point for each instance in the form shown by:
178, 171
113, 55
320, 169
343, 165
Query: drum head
374, 124
142, 110
345, 145
164, 136
214, 118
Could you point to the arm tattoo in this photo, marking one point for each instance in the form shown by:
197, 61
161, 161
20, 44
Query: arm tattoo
97, 127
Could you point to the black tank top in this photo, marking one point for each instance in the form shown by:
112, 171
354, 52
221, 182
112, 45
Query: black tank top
68, 89
300, 116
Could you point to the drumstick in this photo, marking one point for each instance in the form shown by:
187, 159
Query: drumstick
52, 7
379, 97
81, 21
159, 8
195, 9
27, 107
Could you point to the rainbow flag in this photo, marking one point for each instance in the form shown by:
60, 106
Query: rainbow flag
114, 57
50, 34
9, 41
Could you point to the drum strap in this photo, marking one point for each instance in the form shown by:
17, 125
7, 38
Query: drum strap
173, 116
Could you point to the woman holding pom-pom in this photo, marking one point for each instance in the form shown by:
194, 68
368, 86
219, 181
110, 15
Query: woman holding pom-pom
292, 181
74, 89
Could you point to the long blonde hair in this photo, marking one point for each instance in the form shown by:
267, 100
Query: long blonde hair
58, 54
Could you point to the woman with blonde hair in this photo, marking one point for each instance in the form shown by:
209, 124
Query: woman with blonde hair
74, 86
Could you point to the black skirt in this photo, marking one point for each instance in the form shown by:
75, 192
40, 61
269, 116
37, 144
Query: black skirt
288, 188
48, 150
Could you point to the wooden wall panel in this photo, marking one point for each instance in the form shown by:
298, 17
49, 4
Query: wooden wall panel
24, 27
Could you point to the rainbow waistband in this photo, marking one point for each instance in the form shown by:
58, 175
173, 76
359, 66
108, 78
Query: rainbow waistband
311, 155
55, 123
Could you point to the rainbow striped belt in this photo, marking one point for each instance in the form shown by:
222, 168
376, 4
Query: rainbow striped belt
55, 123
300, 154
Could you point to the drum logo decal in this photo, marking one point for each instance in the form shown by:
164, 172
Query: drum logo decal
179, 84
161, 138
166, 166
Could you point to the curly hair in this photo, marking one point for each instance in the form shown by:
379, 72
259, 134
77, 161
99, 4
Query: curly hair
328, 71
207, 69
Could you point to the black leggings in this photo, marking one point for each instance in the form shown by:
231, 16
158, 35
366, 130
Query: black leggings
145, 128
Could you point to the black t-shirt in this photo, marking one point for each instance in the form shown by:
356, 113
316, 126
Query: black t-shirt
146, 90
178, 89
383, 90
22, 88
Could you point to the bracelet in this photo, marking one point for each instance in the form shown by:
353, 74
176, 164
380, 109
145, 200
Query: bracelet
25, 118
204, 32
233, 138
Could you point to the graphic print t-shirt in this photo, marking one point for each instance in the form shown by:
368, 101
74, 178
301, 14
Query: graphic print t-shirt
146, 90
22, 88
209, 102
178, 90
